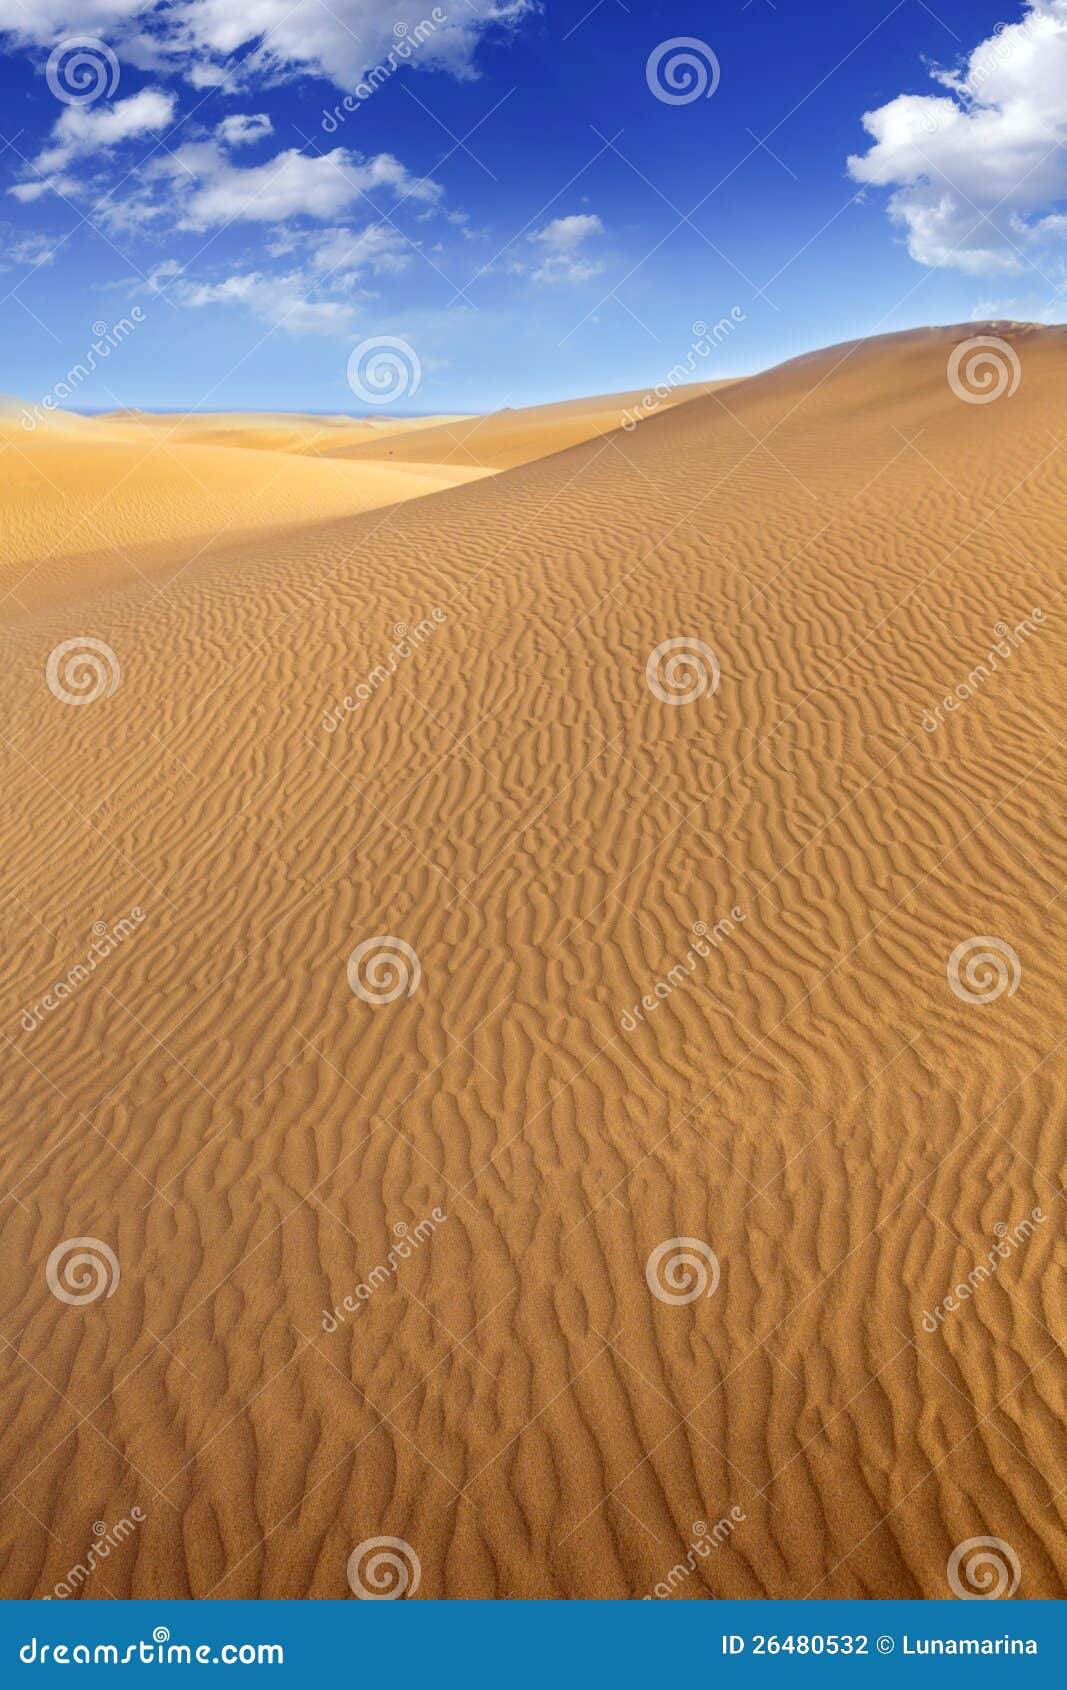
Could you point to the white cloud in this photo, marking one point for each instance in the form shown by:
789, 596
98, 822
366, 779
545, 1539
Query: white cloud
977, 170
33, 189
198, 185
341, 41
240, 129
316, 296
280, 301
160, 275
1031, 310
562, 240
563, 234
31, 250
350, 253
292, 184
46, 21
81, 131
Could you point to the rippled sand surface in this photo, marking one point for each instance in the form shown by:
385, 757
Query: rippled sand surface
541, 1110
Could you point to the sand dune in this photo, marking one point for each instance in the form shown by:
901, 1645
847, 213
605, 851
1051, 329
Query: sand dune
505, 439
665, 971
89, 500
112, 505
86, 501
277, 431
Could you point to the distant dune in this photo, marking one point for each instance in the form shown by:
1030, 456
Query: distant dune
575, 999
279, 431
86, 500
505, 439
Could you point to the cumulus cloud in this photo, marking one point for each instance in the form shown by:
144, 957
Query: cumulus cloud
84, 130
563, 234
978, 169
562, 240
214, 190
202, 39
206, 180
198, 185
241, 129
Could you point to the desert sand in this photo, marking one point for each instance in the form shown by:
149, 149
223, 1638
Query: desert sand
504, 439
663, 970
88, 500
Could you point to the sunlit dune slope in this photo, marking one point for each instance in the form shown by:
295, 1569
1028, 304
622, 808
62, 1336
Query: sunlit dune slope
111, 501
622, 755
504, 439
115, 492
278, 431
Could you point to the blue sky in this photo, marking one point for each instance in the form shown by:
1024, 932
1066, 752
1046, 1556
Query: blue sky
514, 200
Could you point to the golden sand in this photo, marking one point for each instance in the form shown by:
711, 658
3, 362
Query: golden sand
515, 795
88, 500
